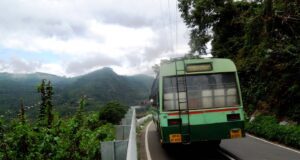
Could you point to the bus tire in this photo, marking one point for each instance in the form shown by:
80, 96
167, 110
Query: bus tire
165, 145
215, 143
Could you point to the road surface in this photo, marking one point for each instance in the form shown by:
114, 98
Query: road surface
249, 148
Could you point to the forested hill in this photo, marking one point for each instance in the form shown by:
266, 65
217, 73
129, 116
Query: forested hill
99, 87
262, 38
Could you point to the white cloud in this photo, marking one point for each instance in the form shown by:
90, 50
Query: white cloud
22, 66
129, 35
52, 68
91, 63
3, 66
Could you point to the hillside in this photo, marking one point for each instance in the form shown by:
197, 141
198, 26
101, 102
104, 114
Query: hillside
100, 86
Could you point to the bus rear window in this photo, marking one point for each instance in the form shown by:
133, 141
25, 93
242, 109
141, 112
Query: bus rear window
203, 91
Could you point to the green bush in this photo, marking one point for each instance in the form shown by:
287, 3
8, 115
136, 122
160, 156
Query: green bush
112, 112
268, 128
65, 140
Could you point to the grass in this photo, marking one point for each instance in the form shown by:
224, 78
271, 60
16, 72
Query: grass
268, 128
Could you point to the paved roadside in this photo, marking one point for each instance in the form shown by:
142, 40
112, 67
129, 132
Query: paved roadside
174, 152
250, 148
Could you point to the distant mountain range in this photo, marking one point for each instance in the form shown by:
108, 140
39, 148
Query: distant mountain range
99, 87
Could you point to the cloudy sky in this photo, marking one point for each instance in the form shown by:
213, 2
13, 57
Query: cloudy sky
73, 37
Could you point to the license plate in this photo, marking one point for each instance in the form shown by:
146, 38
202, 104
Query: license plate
175, 138
236, 133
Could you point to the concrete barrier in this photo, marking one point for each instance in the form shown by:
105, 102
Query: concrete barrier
132, 149
124, 147
143, 119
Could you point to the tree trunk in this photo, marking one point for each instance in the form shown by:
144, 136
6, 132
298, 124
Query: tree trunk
268, 8
268, 15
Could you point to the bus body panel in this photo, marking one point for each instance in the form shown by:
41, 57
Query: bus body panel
201, 117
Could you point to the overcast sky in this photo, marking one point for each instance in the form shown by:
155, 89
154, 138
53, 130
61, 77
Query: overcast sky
73, 37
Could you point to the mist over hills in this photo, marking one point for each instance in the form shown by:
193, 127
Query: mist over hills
99, 87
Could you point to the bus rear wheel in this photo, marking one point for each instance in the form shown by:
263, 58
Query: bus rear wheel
215, 143
164, 145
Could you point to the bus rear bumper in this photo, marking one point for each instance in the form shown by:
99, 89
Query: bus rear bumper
205, 132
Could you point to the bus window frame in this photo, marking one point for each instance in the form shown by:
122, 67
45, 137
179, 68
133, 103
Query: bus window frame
237, 90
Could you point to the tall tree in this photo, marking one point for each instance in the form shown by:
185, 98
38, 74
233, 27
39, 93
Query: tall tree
43, 104
46, 106
200, 16
49, 105
22, 112
80, 110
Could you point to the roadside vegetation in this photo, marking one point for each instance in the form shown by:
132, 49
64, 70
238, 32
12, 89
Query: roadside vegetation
52, 137
268, 128
262, 38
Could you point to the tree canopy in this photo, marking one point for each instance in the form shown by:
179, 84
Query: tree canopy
262, 38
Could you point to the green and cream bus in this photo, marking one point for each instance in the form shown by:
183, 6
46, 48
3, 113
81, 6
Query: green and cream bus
196, 100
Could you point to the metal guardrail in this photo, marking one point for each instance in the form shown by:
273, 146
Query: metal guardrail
124, 147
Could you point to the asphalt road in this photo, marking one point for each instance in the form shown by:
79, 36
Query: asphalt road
244, 149
251, 148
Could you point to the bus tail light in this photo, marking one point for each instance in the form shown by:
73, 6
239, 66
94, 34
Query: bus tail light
233, 117
174, 122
